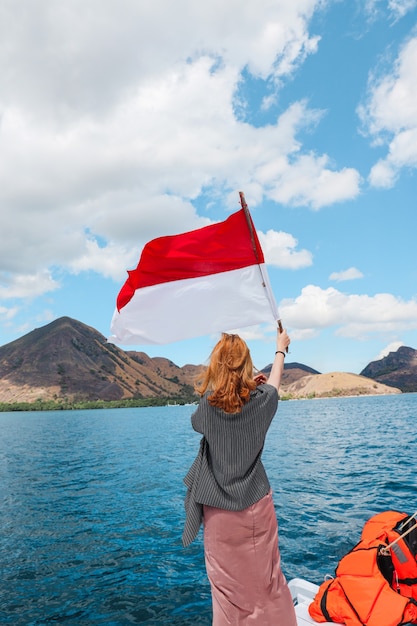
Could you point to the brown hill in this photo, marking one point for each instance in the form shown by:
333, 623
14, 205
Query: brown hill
185, 375
292, 372
334, 384
398, 369
67, 359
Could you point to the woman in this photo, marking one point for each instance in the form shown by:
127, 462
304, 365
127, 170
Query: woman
229, 491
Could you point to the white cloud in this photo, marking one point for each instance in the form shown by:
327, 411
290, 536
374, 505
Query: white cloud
390, 116
383, 174
292, 177
392, 347
280, 250
8, 313
308, 181
355, 316
395, 8
250, 333
350, 274
114, 125
26, 286
110, 261
82, 57
401, 7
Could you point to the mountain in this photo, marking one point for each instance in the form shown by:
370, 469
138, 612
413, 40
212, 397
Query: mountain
398, 369
292, 372
300, 381
67, 359
334, 384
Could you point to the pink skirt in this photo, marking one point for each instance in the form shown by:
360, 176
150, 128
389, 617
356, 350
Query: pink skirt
243, 567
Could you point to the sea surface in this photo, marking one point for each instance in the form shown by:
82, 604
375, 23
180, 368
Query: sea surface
91, 504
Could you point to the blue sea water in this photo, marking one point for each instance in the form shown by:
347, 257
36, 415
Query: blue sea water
91, 504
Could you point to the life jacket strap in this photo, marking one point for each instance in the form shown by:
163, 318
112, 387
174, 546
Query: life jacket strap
407, 581
323, 606
385, 551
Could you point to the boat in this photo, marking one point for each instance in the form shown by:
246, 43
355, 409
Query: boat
303, 593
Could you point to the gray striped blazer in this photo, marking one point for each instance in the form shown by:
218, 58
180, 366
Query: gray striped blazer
227, 472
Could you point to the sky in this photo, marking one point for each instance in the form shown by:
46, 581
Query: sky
122, 121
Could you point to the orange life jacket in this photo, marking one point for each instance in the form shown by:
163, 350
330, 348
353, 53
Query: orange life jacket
388, 527
361, 593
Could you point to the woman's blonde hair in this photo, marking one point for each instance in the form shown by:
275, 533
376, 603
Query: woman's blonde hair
229, 376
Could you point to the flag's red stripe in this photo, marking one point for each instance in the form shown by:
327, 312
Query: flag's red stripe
210, 250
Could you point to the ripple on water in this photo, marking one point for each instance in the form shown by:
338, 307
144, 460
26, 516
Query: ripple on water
92, 504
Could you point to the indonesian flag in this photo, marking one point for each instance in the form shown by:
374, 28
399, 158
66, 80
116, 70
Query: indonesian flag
208, 280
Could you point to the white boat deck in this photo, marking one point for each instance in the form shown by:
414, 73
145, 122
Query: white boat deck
303, 593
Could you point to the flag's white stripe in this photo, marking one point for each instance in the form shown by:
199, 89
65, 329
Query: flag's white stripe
195, 306
269, 292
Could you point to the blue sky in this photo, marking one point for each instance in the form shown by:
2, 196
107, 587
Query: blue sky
122, 121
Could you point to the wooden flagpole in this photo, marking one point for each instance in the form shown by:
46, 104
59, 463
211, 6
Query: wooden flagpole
250, 226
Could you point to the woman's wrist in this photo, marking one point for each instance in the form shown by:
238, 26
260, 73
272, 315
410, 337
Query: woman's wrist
280, 352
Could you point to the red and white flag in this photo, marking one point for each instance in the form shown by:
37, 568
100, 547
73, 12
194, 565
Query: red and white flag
208, 280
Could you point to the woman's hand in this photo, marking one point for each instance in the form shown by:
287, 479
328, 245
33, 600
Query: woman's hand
260, 379
283, 340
